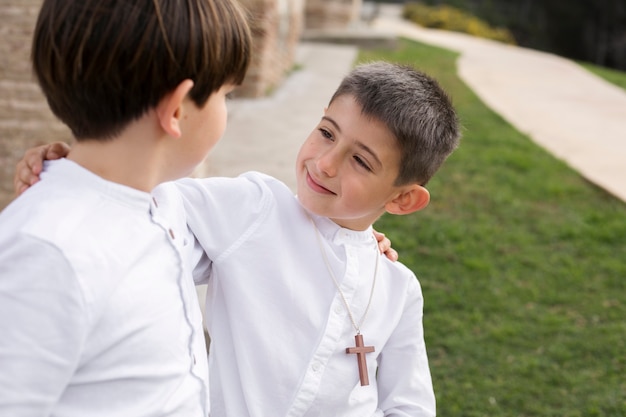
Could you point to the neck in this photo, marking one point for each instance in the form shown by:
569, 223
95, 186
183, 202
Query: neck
136, 158
358, 224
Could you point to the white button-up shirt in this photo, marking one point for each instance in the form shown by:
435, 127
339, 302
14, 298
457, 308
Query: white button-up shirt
279, 329
98, 316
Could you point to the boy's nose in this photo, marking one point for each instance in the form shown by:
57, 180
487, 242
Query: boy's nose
327, 163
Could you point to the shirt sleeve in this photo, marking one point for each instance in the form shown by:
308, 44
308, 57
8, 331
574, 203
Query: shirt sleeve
43, 324
223, 212
170, 201
200, 263
404, 381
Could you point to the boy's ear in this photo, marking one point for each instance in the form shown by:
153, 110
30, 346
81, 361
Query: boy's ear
411, 198
169, 110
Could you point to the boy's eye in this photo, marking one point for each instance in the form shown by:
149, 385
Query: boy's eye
362, 163
326, 133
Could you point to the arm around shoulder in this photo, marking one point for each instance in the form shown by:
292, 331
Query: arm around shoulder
220, 211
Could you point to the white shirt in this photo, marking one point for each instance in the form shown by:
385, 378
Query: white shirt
279, 329
98, 317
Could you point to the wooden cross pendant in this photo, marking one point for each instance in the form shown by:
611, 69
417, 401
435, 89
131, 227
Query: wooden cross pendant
360, 350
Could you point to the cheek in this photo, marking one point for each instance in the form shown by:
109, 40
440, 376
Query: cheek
223, 120
217, 122
310, 148
303, 153
356, 195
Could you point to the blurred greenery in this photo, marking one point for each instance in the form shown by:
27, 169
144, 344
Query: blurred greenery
587, 30
450, 18
523, 267
611, 75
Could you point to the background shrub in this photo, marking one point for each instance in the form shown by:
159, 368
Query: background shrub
450, 18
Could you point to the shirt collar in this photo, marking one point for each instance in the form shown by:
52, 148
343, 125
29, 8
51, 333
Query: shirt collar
332, 232
81, 176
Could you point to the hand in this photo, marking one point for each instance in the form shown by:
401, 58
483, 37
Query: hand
384, 245
29, 167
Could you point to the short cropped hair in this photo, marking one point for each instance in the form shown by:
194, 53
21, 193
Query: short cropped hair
414, 108
103, 63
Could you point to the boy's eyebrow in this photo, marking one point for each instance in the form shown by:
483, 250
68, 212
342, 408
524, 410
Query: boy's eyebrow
328, 119
359, 144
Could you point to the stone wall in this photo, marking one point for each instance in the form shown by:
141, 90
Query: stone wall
276, 26
331, 14
25, 119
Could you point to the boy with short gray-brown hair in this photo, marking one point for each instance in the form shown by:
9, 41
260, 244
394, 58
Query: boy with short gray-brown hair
331, 328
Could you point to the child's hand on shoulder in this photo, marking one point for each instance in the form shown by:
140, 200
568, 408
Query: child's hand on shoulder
384, 245
29, 167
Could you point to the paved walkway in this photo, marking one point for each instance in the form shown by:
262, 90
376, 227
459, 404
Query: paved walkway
573, 114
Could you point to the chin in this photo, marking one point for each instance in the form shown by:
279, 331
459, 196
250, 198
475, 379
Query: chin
305, 203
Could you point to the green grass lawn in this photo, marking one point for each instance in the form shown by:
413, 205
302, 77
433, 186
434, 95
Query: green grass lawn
613, 76
523, 267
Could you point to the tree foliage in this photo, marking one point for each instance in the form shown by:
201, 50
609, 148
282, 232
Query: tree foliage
588, 30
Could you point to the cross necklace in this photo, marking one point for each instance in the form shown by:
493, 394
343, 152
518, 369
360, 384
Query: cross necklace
360, 349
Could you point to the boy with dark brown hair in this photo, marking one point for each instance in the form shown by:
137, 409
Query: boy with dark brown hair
98, 312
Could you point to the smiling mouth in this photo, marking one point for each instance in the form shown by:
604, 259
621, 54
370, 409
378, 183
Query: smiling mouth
315, 186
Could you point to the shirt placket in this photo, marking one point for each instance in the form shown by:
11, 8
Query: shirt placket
337, 325
196, 344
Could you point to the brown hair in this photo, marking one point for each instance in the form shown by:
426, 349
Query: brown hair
103, 63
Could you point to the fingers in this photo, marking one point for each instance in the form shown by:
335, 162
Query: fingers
23, 177
57, 150
391, 254
29, 167
384, 245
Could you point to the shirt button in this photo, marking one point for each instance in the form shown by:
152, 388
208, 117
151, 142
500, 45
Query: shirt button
316, 367
337, 309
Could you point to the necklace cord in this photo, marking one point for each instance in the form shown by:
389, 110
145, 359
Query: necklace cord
343, 297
